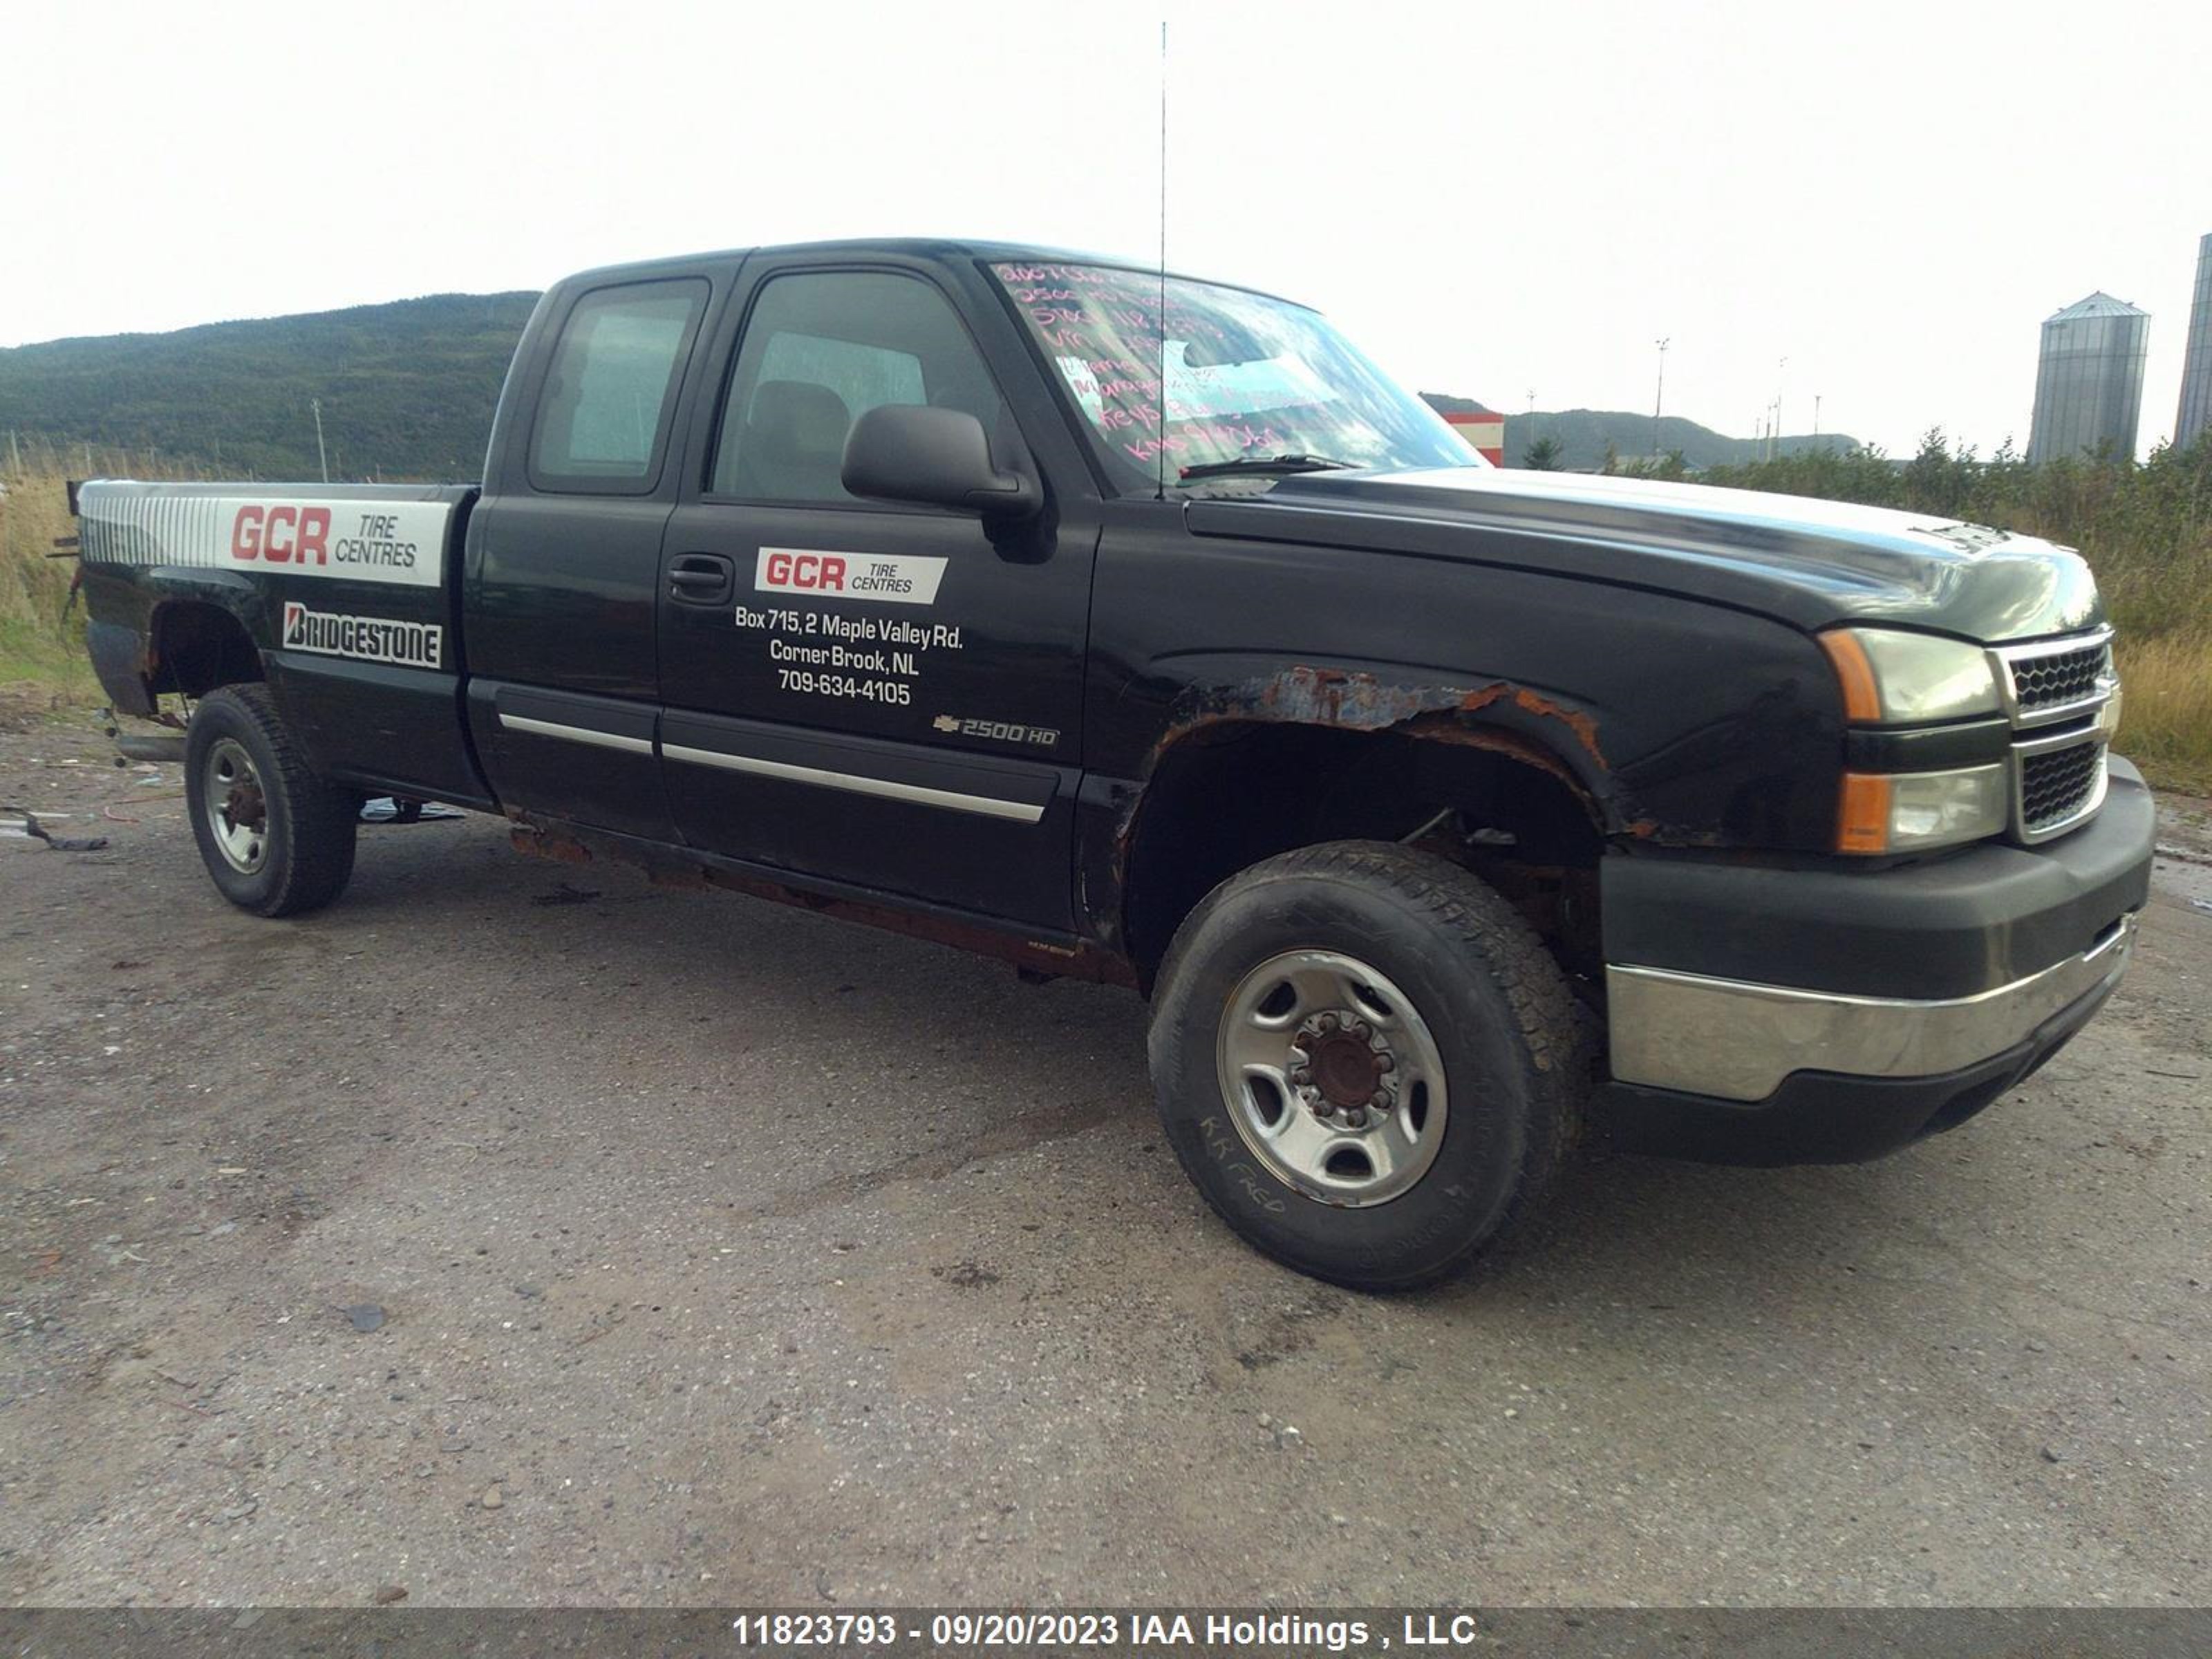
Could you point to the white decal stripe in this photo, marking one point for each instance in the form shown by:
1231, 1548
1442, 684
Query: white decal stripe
576, 733
144, 526
985, 806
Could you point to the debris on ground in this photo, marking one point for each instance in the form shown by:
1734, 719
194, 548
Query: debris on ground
564, 894
36, 831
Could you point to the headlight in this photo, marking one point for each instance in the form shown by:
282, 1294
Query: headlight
1890, 678
1912, 812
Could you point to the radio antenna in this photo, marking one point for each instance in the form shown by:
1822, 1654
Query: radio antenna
1160, 316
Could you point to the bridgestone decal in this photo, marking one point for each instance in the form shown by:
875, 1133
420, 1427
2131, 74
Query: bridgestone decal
364, 638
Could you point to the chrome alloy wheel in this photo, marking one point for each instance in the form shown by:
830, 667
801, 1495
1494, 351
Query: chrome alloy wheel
236, 807
1332, 1078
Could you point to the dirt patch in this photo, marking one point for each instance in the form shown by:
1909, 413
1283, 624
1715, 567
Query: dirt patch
751, 1258
26, 705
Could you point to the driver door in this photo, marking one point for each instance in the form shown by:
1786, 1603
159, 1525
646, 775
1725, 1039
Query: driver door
867, 692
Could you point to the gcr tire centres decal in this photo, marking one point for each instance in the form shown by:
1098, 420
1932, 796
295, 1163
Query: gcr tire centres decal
803, 644
875, 658
892, 578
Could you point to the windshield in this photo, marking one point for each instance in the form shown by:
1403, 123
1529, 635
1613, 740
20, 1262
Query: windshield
1238, 377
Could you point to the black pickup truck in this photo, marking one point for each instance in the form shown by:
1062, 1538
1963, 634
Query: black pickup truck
1140, 630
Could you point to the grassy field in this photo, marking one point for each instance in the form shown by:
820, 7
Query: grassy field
2146, 529
41, 649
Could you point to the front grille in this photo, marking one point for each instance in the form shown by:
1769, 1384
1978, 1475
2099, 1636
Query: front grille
2053, 680
2059, 784
2057, 693
2063, 677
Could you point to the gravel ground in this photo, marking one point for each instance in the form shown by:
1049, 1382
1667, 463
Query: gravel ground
521, 1234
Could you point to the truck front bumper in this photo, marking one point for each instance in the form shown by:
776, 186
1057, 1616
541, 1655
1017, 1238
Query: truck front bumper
1827, 1014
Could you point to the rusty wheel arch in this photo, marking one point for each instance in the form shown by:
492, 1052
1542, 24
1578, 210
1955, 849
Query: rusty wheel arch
1345, 719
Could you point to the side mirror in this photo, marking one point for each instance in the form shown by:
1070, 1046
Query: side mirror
908, 453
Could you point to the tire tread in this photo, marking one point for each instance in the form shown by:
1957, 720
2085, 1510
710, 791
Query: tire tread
323, 819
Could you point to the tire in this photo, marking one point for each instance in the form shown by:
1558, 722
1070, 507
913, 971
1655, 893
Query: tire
277, 840
1401, 973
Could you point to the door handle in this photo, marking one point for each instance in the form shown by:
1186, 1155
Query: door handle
702, 579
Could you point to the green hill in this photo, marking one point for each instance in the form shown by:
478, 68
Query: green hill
407, 390
1583, 434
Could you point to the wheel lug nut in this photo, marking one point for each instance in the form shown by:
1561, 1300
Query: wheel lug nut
1329, 1022
1381, 1102
1302, 1076
1386, 1062
1355, 1119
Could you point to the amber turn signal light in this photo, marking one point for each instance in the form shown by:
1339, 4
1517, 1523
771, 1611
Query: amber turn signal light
1862, 823
1854, 674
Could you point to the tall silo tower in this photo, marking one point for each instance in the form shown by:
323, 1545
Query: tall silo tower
2089, 386
2196, 415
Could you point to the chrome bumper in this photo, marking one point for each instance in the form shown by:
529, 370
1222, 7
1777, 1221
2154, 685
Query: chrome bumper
1732, 1040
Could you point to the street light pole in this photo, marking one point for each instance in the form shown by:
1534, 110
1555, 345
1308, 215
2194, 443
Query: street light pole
1659, 398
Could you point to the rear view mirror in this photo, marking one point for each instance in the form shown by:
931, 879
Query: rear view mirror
908, 453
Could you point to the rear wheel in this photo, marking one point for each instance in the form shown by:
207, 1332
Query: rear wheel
1366, 1061
277, 838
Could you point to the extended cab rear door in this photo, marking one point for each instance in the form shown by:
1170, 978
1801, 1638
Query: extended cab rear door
875, 693
564, 551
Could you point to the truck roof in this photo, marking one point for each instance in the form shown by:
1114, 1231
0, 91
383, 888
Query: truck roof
908, 247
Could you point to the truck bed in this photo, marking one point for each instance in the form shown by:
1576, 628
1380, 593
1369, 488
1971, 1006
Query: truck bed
350, 592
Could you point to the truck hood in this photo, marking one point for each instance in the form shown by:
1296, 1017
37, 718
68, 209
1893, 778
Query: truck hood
1812, 563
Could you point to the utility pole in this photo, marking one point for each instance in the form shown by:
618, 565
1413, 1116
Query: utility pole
1816, 420
1659, 396
321, 454
14, 455
1774, 439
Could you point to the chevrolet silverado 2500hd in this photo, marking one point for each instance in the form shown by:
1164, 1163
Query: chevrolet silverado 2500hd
1140, 629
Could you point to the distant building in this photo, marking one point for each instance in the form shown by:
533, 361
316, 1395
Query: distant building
2196, 413
2089, 385
1484, 433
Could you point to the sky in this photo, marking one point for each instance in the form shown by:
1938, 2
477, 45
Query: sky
1872, 204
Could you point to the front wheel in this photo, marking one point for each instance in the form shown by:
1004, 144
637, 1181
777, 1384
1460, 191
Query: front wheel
1366, 1061
277, 840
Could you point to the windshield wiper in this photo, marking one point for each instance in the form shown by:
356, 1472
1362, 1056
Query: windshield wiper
1262, 464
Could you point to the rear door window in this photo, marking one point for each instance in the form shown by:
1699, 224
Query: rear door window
604, 414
